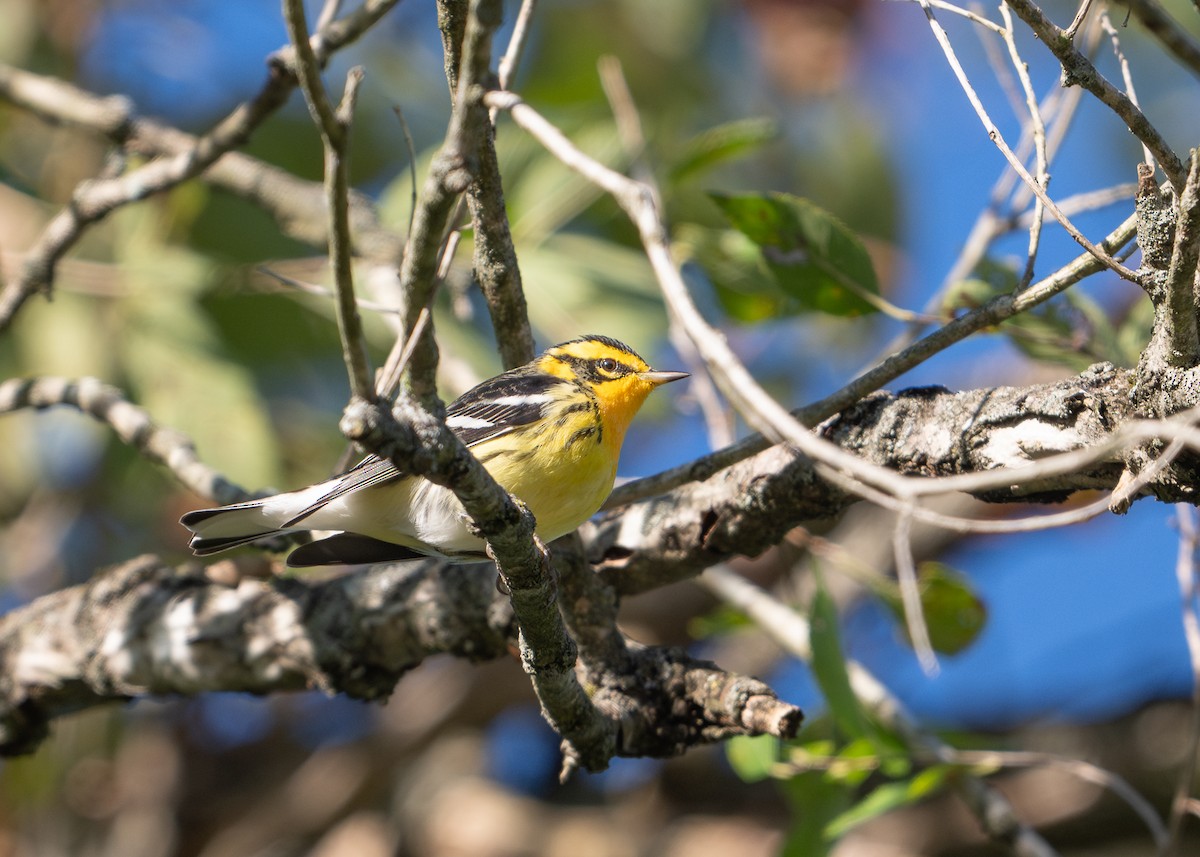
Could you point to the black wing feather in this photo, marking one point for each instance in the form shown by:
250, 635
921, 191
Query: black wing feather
372, 470
502, 402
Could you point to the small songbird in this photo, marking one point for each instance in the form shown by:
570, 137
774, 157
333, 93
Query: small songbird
549, 432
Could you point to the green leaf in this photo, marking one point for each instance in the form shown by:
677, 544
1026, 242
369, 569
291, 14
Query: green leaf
722, 143
888, 797
813, 256
815, 801
753, 758
829, 666
954, 613
747, 290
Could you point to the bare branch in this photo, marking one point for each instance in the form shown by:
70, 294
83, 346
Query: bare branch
1078, 70
996, 137
990, 314
1038, 133
419, 443
146, 628
516, 44
1126, 74
170, 448
910, 593
334, 127
1183, 342
749, 506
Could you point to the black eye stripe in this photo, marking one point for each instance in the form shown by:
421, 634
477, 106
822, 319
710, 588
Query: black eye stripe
591, 370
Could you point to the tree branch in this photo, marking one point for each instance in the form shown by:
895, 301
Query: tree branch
94, 199
1164, 28
1005, 438
1078, 70
334, 127
146, 628
992, 313
170, 448
296, 204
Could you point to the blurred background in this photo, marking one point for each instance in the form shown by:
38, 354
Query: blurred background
846, 103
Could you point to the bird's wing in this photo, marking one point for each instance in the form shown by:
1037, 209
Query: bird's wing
492, 409
500, 405
372, 470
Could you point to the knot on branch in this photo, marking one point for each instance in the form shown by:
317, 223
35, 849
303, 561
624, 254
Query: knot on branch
669, 701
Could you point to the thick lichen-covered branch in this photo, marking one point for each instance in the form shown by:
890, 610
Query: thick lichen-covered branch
146, 628
927, 432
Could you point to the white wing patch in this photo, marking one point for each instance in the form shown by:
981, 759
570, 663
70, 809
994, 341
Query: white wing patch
462, 421
539, 399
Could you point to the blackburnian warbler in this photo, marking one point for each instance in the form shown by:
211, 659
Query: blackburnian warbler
549, 432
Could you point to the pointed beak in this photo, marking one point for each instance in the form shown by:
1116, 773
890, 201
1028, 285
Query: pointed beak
659, 378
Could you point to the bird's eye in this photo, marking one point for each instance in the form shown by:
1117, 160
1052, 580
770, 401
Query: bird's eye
607, 365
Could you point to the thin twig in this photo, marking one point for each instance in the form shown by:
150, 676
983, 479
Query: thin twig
1119, 496
1126, 74
970, 15
910, 591
1090, 200
402, 350
990, 314
308, 71
1078, 69
996, 137
1085, 771
334, 127
329, 13
1038, 132
321, 291
167, 447
1001, 67
1080, 17
718, 419
760, 410
411, 148
516, 45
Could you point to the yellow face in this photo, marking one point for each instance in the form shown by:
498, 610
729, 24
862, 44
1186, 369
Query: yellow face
620, 379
